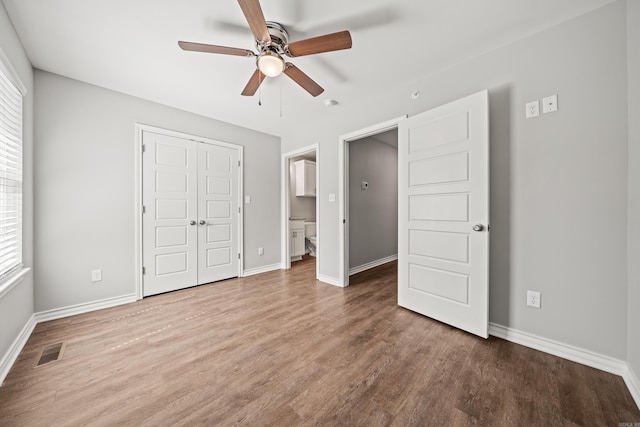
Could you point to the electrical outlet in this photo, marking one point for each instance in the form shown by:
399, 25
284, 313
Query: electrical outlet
533, 299
261, 251
532, 109
550, 104
96, 275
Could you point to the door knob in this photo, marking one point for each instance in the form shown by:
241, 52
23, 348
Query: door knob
478, 227
192, 222
202, 222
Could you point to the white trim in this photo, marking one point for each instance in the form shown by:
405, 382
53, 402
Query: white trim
566, 351
139, 129
633, 384
72, 310
335, 281
260, 270
12, 281
285, 207
137, 211
16, 347
372, 264
11, 73
343, 187
575, 354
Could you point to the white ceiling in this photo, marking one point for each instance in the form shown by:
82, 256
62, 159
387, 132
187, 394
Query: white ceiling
131, 46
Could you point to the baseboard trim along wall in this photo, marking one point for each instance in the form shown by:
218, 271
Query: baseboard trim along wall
633, 384
329, 280
569, 352
16, 347
372, 264
259, 270
59, 313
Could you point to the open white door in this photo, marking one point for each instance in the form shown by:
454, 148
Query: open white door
443, 217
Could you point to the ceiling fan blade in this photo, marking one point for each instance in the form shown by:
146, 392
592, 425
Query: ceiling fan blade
327, 43
210, 48
254, 83
253, 12
302, 79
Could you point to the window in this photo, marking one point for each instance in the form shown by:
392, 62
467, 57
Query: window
10, 176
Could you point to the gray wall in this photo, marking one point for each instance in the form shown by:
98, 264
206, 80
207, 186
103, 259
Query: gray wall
558, 182
299, 207
84, 180
16, 308
633, 93
373, 213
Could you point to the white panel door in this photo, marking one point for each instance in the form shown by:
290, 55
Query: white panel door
217, 213
443, 195
170, 200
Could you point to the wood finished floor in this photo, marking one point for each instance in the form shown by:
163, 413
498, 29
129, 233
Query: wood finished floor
283, 349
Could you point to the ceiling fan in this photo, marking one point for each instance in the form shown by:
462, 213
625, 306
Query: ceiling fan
272, 42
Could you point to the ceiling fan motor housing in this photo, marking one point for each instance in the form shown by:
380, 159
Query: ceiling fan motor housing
279, 39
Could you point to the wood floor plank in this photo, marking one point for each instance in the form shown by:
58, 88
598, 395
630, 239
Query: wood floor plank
281, 348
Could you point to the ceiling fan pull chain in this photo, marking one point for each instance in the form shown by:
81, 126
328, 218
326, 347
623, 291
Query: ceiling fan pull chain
259, 90
280, 98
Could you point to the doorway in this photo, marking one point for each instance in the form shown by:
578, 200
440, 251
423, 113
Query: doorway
385, 134
372, 208
300, 207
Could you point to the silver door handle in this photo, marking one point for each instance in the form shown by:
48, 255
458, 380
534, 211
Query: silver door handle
192, 222
202, 222
478, 227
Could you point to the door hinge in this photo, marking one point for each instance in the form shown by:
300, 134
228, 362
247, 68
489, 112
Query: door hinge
238, 163
144, 271
144, 209
238, 255
344, 221
144, 147
238, 210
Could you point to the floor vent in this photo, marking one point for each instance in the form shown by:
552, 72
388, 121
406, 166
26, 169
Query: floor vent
50, 353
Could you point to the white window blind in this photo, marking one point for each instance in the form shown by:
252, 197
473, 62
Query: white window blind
10, 176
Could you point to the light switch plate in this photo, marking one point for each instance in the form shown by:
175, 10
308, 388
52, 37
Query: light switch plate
247, 200
332, 197
550, 104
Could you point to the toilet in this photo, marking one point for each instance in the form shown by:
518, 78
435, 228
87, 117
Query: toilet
310, 237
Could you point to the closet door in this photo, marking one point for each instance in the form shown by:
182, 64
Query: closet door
218, 213
170, 200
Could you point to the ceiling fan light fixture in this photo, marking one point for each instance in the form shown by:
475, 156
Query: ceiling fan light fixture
270, 64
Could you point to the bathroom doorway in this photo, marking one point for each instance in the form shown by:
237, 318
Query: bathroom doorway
300, 219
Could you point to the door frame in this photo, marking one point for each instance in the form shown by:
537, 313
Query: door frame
343, 186
139, 129
285, 167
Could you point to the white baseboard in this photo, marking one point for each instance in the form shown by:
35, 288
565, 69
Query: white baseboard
566, 351
372, 264
59, 313
259, 270
575, 354
633, 384
330, 280
16, 347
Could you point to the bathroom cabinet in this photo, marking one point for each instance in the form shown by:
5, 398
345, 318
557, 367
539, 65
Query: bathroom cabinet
296, 237
305, 178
